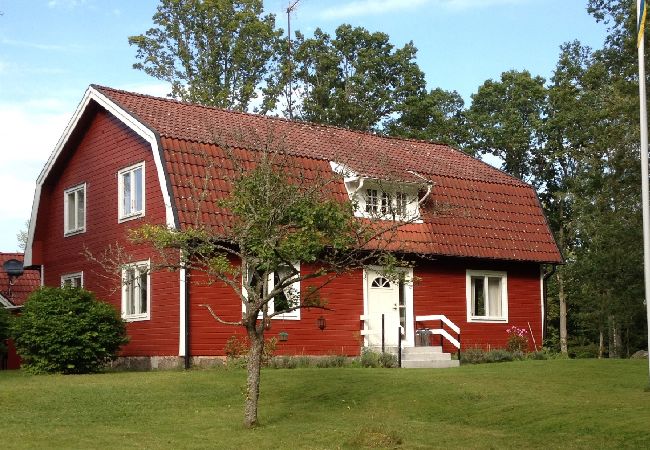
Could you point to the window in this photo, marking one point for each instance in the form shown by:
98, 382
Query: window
131, 192
74, 207
288, 298
136, 293
487, 296
390, 201
401, 200
75, 280
372, 201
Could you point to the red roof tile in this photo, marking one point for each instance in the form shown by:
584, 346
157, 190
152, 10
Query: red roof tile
474, 210
24, 285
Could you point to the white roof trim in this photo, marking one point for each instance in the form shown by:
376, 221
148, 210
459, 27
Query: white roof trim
6, 303
128, 120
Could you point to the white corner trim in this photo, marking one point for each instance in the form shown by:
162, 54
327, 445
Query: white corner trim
182, 295
127, 119
541, 295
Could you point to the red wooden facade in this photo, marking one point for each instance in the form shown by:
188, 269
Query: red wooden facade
100, 142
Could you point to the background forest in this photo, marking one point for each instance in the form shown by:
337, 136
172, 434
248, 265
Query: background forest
575, 137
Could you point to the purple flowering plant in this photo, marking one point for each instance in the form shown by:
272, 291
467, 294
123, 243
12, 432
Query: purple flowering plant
517, 339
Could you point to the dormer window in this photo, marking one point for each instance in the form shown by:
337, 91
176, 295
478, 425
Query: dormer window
372, 201
392, 202
384, 199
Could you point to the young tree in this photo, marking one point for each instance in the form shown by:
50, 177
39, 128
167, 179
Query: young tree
213, 52
280, 214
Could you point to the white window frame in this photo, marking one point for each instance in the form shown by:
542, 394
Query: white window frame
121, 214
504, 296
71, 277
140, 267
293, 315
388, 200
68, 230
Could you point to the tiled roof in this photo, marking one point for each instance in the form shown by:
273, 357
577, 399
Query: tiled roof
24, 285
474, 210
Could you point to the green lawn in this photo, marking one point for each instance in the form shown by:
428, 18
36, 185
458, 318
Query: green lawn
539, 404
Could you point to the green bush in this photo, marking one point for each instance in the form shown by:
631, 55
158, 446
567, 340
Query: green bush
4, 329
67, 331
472, 355
371, 358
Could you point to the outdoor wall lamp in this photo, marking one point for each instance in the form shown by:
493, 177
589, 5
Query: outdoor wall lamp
321, 323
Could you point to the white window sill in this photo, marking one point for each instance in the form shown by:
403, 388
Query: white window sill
131, 217
134, 318
488, 319
74, 232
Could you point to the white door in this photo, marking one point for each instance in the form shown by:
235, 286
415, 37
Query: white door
383, 298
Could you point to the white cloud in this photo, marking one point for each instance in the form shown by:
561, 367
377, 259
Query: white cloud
356, 8
370, 7
30, 131
39, 46
66, 3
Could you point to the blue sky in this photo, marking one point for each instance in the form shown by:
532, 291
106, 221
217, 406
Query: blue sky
51, 50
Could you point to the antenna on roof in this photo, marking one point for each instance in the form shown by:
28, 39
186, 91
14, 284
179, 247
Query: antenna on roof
290, 9
13, 268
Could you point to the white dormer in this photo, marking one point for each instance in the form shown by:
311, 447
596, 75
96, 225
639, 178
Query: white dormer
381, 199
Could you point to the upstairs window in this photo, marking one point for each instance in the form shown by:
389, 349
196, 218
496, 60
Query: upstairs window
372, 201
131, 192
487, 296
73, 280
391, 202
136, 297
74, 206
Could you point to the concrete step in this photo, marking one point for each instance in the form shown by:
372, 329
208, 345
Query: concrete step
421, 350
421, 364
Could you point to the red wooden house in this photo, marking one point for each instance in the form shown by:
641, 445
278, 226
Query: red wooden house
14, 290
480, 237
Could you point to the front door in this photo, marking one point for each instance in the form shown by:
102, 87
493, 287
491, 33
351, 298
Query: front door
388, 298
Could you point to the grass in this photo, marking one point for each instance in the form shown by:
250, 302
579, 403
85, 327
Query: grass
537, 404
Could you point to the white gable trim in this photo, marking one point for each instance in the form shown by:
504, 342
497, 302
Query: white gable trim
127, 119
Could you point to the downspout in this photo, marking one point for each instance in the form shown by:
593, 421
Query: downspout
188, 359
545, 293
427, 181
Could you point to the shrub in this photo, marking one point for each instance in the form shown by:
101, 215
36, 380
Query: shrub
236, 350
371, 358
498, 355
517, 339
67, 331
472, 355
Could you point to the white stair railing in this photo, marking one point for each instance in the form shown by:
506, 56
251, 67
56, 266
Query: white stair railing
441, 331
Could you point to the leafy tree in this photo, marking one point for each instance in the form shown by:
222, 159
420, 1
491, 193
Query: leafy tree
281, 216
437, 116
22, 236
67, 330
356, 80
506, 119
213, 52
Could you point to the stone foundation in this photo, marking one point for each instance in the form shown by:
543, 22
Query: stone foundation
143, 363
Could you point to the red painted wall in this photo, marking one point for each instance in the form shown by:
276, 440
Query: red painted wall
341, 336
106, 147
441, 289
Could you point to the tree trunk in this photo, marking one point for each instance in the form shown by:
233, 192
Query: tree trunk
563, 329
601, 344
253, 380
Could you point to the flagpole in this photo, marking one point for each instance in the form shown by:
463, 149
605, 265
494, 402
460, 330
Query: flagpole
645, 196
